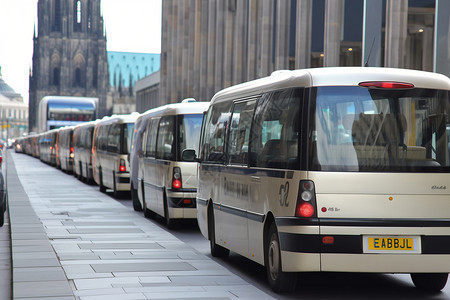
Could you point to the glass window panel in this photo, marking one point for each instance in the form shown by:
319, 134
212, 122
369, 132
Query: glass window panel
239, 132
275, 132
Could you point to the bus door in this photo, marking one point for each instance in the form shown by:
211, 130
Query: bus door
235, 179
147, 171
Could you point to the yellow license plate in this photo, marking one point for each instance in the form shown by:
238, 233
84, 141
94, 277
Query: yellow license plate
391, 244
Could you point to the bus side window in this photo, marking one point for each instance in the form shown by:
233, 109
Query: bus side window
213, 140
165, 139
114, 139
150, 147
275, 132
102, 137
239, 132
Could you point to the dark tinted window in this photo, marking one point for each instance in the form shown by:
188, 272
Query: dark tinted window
275, 132
239, 132
165, 140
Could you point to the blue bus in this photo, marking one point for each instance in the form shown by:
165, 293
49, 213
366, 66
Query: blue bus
58, 111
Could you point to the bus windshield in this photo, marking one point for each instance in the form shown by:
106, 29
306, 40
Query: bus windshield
379, 130
127, 137
189, 133
70, 111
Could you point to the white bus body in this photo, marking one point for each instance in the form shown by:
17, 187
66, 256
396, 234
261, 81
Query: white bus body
167, 181
82, 150
330, 169
110, 150
64, 149
47, 146
59, 111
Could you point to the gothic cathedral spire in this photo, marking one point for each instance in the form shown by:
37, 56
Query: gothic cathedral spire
69, 55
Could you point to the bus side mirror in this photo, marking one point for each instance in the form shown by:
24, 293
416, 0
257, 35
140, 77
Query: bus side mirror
188, 155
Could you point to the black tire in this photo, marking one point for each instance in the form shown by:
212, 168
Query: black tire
147, 212
2, 212
88, 180
169, 222
116, 192
432, 282
135, 198
216, 250
80, 176
101, 186
279, 281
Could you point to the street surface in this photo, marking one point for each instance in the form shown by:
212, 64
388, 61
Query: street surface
95, 246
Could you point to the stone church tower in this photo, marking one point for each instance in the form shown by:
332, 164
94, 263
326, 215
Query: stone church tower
69, 56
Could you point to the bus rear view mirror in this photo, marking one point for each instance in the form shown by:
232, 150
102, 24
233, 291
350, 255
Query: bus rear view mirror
188, 155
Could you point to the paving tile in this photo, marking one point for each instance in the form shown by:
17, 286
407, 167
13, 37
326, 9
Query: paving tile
104, 230
42, 289
128, 296
117, 282
29, 249
120, 246
33, 255
99, 292
39, 274
46, 298
136, 267
43, 262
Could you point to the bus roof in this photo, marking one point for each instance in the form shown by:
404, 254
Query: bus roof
334, 76
128, 118
69, 99
177, 109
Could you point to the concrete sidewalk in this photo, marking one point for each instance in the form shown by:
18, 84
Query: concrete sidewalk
69, 241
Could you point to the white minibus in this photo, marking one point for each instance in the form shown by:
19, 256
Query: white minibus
110, 149
136, 151
64, 149
167, 176
330, 169
47, 146
82, 151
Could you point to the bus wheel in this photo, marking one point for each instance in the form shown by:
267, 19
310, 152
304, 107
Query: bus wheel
116, 192
279, 281
2, 211
169, 222
102, 187
134, 197
433, 282
216, 250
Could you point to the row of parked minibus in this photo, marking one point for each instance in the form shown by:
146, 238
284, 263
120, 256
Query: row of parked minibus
115, 153
329, 169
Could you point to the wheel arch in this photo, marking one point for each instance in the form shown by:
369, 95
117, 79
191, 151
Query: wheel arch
267, 223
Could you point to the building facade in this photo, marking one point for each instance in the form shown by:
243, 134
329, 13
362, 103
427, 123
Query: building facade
147, 92
208, 45
13, 112
125, 69
69, 55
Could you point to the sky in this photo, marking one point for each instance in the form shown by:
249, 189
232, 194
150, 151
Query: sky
131, 26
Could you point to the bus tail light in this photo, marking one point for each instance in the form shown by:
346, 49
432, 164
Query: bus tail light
306, 200
122, 167
176, 178
386, 85
328, 240
71, 152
